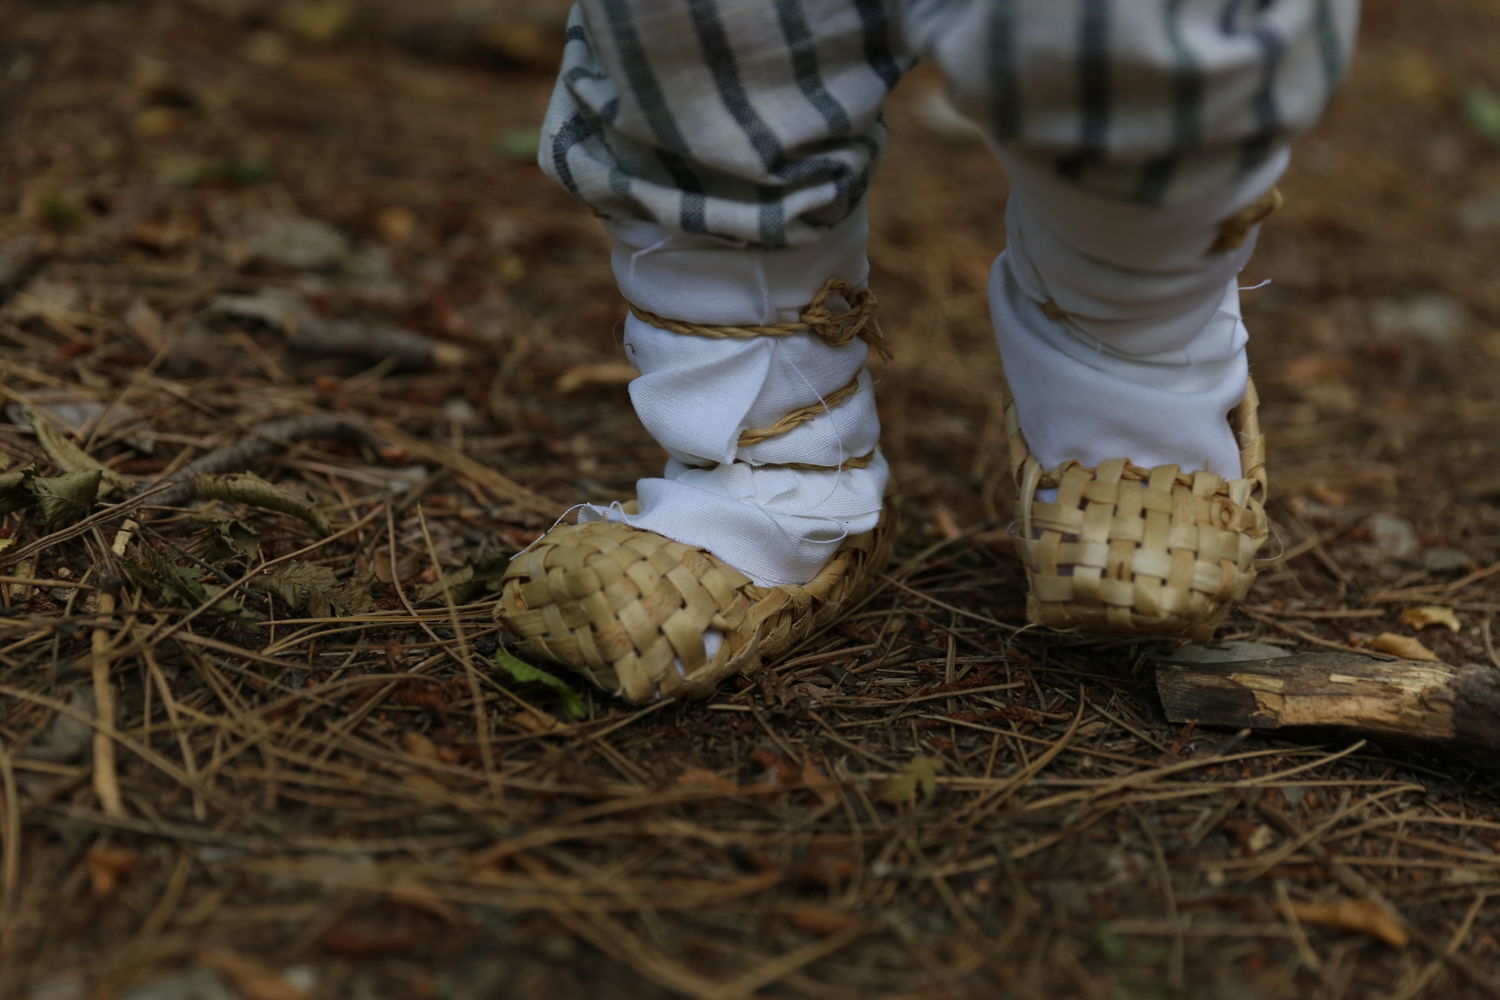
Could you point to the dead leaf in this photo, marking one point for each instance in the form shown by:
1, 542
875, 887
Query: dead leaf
418, 745
294, 242
698, 777
108, 867
464, 584
427, 789
818, 782
68, 497
1427, 615
281, 309
531, 722
167, 581
68, 457
419, 896
822, 919
248, 488
144, 322
1362, 916
254, 979
315, 589
353, 939
226, 536
1405, 646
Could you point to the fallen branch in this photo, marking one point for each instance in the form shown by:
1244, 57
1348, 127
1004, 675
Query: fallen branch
245, 454
1410, 700
348, 338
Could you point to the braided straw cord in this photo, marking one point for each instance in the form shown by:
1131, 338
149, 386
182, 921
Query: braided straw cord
620, 605
1127, 550
834, 328
801, 415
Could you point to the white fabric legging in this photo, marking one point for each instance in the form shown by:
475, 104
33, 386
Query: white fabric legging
729, 148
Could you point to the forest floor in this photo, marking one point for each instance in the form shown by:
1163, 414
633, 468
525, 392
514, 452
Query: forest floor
297, 238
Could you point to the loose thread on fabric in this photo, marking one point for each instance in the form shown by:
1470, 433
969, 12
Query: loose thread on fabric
560, 519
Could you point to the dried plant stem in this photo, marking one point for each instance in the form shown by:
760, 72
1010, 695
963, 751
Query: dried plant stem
106, 778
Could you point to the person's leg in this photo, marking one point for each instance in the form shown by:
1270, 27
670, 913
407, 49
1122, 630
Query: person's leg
728, 148
1143, 140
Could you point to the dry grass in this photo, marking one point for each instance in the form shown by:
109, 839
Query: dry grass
928, 800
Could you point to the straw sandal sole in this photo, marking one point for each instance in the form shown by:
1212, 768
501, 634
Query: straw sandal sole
1124, 550
628, 608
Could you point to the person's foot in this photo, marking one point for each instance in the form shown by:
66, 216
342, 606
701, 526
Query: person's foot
763, 522
1140, 483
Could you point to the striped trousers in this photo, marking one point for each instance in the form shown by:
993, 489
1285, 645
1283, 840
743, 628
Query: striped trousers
759, 121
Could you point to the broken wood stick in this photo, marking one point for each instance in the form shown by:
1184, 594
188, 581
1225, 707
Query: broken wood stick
257, 445
1406, 699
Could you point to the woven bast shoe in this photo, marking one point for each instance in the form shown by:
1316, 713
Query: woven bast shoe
1132, 551
628, 608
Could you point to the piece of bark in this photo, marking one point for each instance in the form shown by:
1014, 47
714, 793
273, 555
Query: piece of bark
1411, 700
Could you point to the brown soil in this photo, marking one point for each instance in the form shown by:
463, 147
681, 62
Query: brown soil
332, 790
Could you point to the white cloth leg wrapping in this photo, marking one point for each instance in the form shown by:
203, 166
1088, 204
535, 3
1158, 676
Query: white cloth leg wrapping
1150, 358
696, 395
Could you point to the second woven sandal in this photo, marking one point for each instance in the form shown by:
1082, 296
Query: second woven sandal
1130, 551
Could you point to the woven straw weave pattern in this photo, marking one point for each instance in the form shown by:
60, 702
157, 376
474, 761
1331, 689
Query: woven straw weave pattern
1127, 550
621, 605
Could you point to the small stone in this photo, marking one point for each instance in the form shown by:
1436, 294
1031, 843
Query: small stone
1443, 560
1394, 536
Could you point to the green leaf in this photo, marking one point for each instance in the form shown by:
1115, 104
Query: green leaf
1482, 109
525, 673
518, 143
917, 778
231, 173
248, 488
61, 213
315, 589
